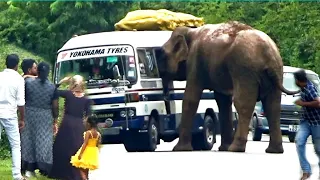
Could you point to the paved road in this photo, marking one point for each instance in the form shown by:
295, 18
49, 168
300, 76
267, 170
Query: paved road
116, 163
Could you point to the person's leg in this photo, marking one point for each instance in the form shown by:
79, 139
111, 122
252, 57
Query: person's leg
87, 173
301, 139
12, 130
83, 174
315, 132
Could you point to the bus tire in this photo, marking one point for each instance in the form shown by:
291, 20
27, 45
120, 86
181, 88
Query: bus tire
292, 137
130, 147
131, 142
205, 139
150, 139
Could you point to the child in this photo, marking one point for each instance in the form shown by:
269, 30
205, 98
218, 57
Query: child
87, 157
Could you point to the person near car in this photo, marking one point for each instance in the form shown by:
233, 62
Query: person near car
12, 98
310, 122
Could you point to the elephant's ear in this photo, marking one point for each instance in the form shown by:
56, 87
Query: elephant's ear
181, 48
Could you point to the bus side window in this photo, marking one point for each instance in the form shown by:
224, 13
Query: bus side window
147, 64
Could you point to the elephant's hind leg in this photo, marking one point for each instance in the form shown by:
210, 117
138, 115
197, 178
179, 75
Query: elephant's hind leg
272, 106
245, 96
225, 119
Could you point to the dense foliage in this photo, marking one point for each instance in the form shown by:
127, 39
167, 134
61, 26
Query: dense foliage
43, 27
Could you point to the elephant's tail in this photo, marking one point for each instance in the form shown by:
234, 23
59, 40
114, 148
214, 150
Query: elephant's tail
287, 91
275, 67
276, 75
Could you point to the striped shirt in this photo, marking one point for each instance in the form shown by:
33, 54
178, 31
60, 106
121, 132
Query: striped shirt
312, 115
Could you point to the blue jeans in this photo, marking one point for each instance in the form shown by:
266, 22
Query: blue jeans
11, 128
305, 130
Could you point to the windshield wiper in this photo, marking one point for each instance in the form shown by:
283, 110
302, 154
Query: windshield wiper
103, 82
120, 81
98, 81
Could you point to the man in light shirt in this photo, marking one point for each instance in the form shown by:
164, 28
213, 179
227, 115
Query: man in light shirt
12, 97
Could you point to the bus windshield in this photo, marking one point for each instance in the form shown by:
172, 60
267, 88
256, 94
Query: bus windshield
100, 68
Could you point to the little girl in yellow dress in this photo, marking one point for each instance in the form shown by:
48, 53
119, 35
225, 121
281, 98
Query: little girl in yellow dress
87, 157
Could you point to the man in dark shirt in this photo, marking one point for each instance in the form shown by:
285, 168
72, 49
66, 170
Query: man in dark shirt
310, 122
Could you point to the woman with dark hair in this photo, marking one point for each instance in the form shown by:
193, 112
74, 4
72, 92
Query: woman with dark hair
70, 135
40, 123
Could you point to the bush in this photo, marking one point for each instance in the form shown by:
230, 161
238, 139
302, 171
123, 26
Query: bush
4, 147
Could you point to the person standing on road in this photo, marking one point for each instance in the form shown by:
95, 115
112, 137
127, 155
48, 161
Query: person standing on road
12, 97
310, 122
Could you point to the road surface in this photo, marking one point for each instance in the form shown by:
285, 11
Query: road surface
255, 164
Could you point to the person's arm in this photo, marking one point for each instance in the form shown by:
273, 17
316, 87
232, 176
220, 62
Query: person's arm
99, 140
62, 93
316, 99
26, 76
313, 104
55, 106
21, 101
88, 107
85, 143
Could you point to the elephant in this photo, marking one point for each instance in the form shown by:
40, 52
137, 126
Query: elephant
242, 65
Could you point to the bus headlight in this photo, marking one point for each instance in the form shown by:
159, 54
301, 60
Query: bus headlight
131, 113
123, 114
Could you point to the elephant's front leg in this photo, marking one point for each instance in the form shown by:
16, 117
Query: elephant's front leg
225, 119
190, 105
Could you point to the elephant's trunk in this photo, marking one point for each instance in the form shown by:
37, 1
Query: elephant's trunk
166, 93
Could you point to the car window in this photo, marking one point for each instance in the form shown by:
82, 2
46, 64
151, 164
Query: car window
289, 82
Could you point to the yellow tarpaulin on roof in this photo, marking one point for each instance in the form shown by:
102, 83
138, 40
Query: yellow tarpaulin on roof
161, 19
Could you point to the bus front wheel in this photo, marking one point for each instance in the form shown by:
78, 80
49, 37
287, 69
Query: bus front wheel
150, 139
205, 139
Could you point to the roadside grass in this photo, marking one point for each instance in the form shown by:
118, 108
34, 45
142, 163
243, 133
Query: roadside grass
5, 171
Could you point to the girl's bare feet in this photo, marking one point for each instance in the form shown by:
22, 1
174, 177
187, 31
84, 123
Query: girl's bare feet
305, 176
